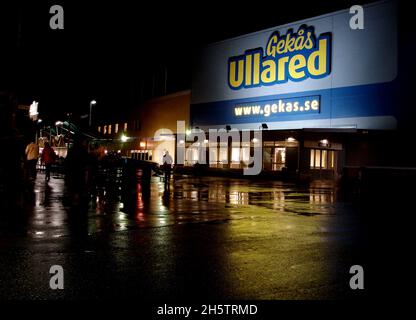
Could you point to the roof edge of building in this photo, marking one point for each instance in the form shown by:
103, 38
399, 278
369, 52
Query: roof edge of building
168, 96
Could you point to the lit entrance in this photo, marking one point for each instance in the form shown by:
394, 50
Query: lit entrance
280, 155
274, 158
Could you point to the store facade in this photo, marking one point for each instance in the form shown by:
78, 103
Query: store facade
314, 88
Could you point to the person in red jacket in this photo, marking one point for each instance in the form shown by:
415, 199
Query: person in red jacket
48, 158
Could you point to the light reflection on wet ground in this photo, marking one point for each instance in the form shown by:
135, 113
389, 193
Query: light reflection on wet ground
189, 200
211, 237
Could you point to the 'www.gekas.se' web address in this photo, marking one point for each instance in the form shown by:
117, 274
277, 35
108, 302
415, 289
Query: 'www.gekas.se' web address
278, 107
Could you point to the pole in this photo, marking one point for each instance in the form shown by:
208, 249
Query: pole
89, 120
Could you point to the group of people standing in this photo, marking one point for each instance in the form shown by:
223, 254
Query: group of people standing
80, 164
47, 157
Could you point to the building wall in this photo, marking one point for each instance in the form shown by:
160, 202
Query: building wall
356, 89
158, 124
163, 112
148, 131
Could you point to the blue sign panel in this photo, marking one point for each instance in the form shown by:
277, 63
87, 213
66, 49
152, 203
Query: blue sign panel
313, 73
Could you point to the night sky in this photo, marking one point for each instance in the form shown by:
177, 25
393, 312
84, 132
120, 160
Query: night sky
112, 51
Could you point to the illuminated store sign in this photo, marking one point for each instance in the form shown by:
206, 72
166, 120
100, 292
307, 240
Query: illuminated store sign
33, 111
293, 56
279, 107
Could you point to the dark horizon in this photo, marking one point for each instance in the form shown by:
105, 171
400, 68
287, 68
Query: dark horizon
114, 54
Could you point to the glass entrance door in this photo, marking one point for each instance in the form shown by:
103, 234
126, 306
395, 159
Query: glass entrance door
274, 158
279, 158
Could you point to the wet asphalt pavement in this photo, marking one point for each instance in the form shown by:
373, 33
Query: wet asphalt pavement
211, 238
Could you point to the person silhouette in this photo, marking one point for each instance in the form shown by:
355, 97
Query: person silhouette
48, 158
167, 167
32, 155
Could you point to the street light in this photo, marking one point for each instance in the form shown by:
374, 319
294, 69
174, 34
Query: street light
92, 102
40, 133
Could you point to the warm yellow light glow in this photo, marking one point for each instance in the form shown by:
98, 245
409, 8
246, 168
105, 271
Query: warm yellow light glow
33, 111
124, 138
235, 155
291, 139
142, 144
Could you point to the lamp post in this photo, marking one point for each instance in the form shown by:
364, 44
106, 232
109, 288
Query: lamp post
38, 123
92, 102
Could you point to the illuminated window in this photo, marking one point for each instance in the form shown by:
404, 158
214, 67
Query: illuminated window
99, 129
322, 159
125, 126
223, 155
312, 163
109, 129
213, 156
332, 159
192, 156
235, 155
245, 153
105, 129
116, 128
317, 158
